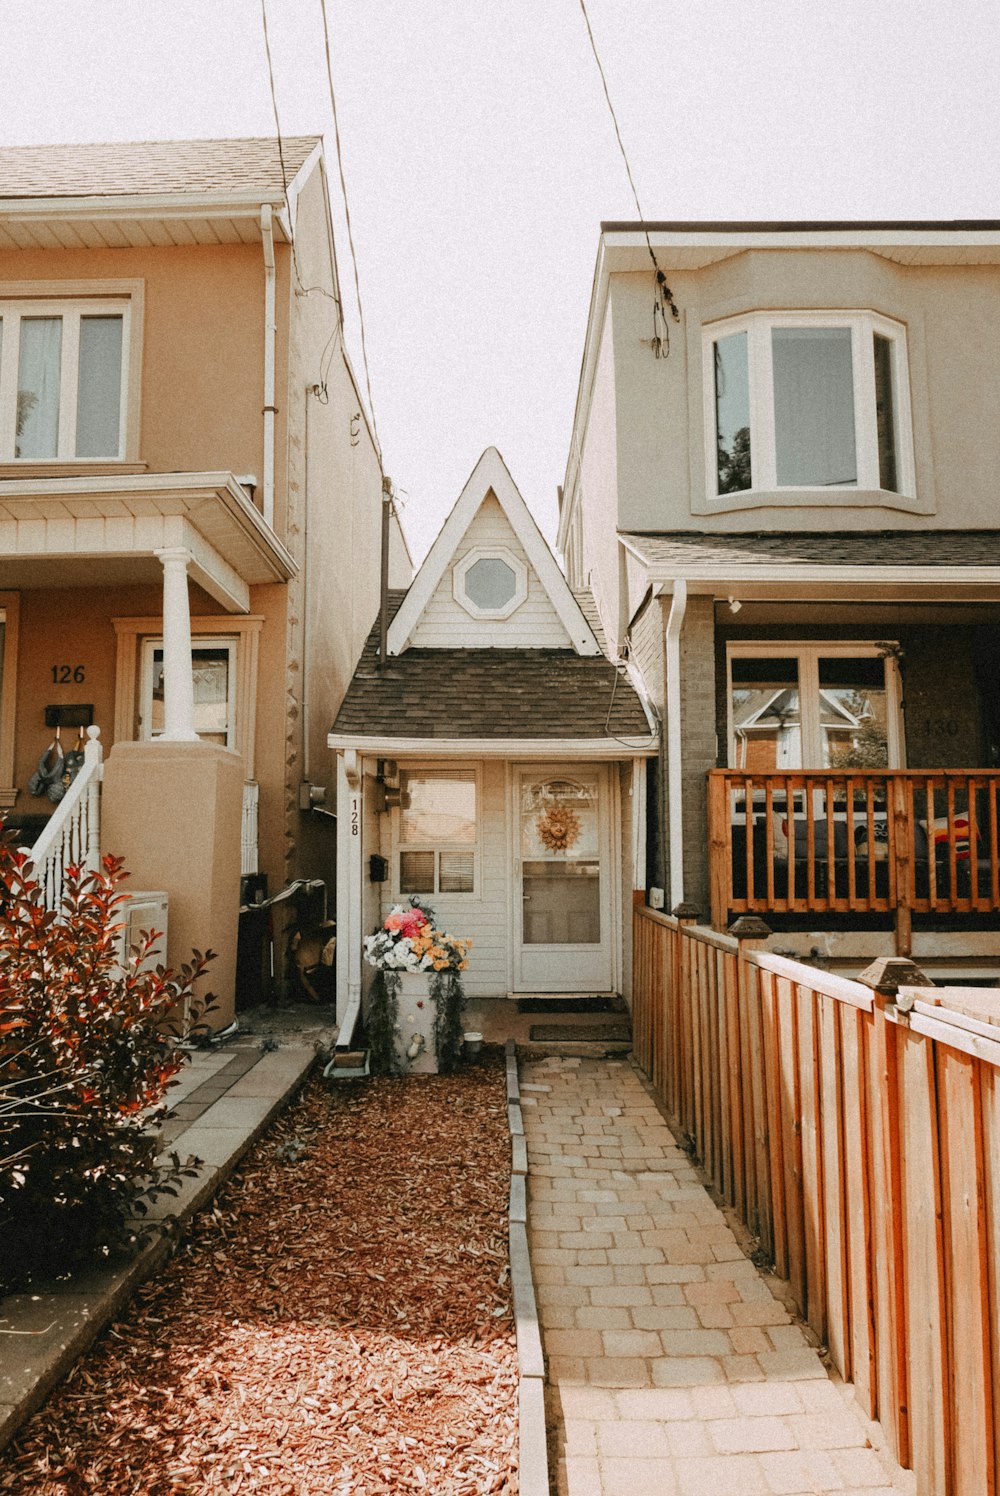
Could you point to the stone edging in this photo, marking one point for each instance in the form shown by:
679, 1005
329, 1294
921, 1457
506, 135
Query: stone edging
533, 1463
59, 1326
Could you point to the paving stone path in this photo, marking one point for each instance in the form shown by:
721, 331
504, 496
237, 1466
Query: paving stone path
672, 1368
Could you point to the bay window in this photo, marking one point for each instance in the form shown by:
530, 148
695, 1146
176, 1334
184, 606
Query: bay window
813, 400
63, 378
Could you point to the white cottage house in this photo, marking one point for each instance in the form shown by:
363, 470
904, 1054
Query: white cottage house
494, 765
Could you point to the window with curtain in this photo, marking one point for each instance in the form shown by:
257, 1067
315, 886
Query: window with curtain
63, 379
807, 401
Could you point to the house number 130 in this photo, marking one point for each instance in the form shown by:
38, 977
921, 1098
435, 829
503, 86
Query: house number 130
65, 675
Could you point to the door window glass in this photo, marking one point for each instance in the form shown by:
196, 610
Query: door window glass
560, 862
213, 679
853, 713
766, 714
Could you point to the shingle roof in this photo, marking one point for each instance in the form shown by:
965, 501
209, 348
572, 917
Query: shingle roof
489, 693
151, 166
879, 548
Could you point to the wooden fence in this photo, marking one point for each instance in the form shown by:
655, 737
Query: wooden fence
859, 1137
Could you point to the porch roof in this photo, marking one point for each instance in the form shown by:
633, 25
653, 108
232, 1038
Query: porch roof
961, 559
497, 699
106, 530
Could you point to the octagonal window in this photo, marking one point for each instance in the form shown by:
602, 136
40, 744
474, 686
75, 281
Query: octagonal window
490, 583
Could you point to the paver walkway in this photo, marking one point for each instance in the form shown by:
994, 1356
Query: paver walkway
673, 1370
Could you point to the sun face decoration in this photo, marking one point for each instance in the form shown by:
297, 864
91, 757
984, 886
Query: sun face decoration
558, 828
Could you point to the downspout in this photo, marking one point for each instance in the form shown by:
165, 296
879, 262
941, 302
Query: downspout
270, 337
675, 797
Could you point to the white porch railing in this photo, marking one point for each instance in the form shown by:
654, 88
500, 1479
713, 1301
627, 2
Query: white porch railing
73, 834
248, 835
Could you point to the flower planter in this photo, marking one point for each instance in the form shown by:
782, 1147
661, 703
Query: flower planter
416, 1024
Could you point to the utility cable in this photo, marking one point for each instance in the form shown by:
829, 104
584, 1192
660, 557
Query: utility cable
350, 236
301, 288
663, 301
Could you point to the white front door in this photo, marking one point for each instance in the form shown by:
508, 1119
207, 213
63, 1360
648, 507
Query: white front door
564, 911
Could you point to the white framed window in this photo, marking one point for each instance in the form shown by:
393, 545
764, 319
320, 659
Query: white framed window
490, 582
828, 705
813, 401
213, 670
65, 378
437, 832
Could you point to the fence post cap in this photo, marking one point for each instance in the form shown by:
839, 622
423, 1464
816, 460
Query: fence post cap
887, 974
749, 927
686, 911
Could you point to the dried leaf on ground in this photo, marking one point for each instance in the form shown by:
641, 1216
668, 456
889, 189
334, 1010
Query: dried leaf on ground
337, 1321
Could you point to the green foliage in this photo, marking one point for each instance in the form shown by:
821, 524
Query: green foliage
449, 1000
87, 1051
382, 1021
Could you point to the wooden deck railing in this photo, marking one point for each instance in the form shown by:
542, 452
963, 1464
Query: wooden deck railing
896, 841
859, 1138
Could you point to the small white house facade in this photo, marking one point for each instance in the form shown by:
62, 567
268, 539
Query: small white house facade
494, 765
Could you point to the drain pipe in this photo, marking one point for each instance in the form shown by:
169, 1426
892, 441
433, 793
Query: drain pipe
675, 796
270, 335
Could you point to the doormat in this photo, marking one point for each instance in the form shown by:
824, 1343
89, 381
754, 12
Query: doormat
567, 1004
611, 1031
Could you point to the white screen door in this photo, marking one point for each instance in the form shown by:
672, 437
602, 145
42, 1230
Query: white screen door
563, 904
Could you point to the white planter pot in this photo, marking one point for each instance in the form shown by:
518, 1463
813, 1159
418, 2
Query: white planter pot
416, 1021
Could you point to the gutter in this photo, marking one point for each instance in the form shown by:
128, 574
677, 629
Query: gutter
672, 729
270, 338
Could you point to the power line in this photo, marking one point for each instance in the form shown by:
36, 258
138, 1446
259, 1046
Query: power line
663, 301
350, 236
302, 289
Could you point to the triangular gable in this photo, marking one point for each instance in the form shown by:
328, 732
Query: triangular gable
490, 477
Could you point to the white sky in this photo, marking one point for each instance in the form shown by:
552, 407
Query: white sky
480, 160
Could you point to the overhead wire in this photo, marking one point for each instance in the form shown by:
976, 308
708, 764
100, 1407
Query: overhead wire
301, 288
663, 301
350, 235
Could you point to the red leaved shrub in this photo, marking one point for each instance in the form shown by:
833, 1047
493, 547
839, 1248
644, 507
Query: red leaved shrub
87, 1050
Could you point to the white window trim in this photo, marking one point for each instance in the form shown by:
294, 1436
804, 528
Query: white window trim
243, 630
808, 655
203, 641
10, 612
490, 553
440, 771
863, 326
71, 300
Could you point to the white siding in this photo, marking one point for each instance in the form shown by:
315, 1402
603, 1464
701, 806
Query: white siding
445, 624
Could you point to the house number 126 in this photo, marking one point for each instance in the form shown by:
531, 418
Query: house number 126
65, 675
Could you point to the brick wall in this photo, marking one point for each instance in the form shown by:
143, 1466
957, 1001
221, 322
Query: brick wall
698, 738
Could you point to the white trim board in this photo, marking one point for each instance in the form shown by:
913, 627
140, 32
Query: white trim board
521, 748
490, 474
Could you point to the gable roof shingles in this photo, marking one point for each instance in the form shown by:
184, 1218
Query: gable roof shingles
127, 168
489, 694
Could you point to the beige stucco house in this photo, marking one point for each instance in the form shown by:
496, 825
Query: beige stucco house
493, 765
190, 505
784, 502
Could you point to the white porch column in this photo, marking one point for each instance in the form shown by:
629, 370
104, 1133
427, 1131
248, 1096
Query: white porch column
178, 683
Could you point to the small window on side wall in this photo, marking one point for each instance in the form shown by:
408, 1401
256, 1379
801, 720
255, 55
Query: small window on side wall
815, 401
438, 831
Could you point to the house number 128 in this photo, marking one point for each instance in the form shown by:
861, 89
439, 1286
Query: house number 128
65, 675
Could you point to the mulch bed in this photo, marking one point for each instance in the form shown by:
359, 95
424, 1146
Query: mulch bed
339, 1320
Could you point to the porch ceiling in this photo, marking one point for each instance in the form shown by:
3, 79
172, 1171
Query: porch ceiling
106, 530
